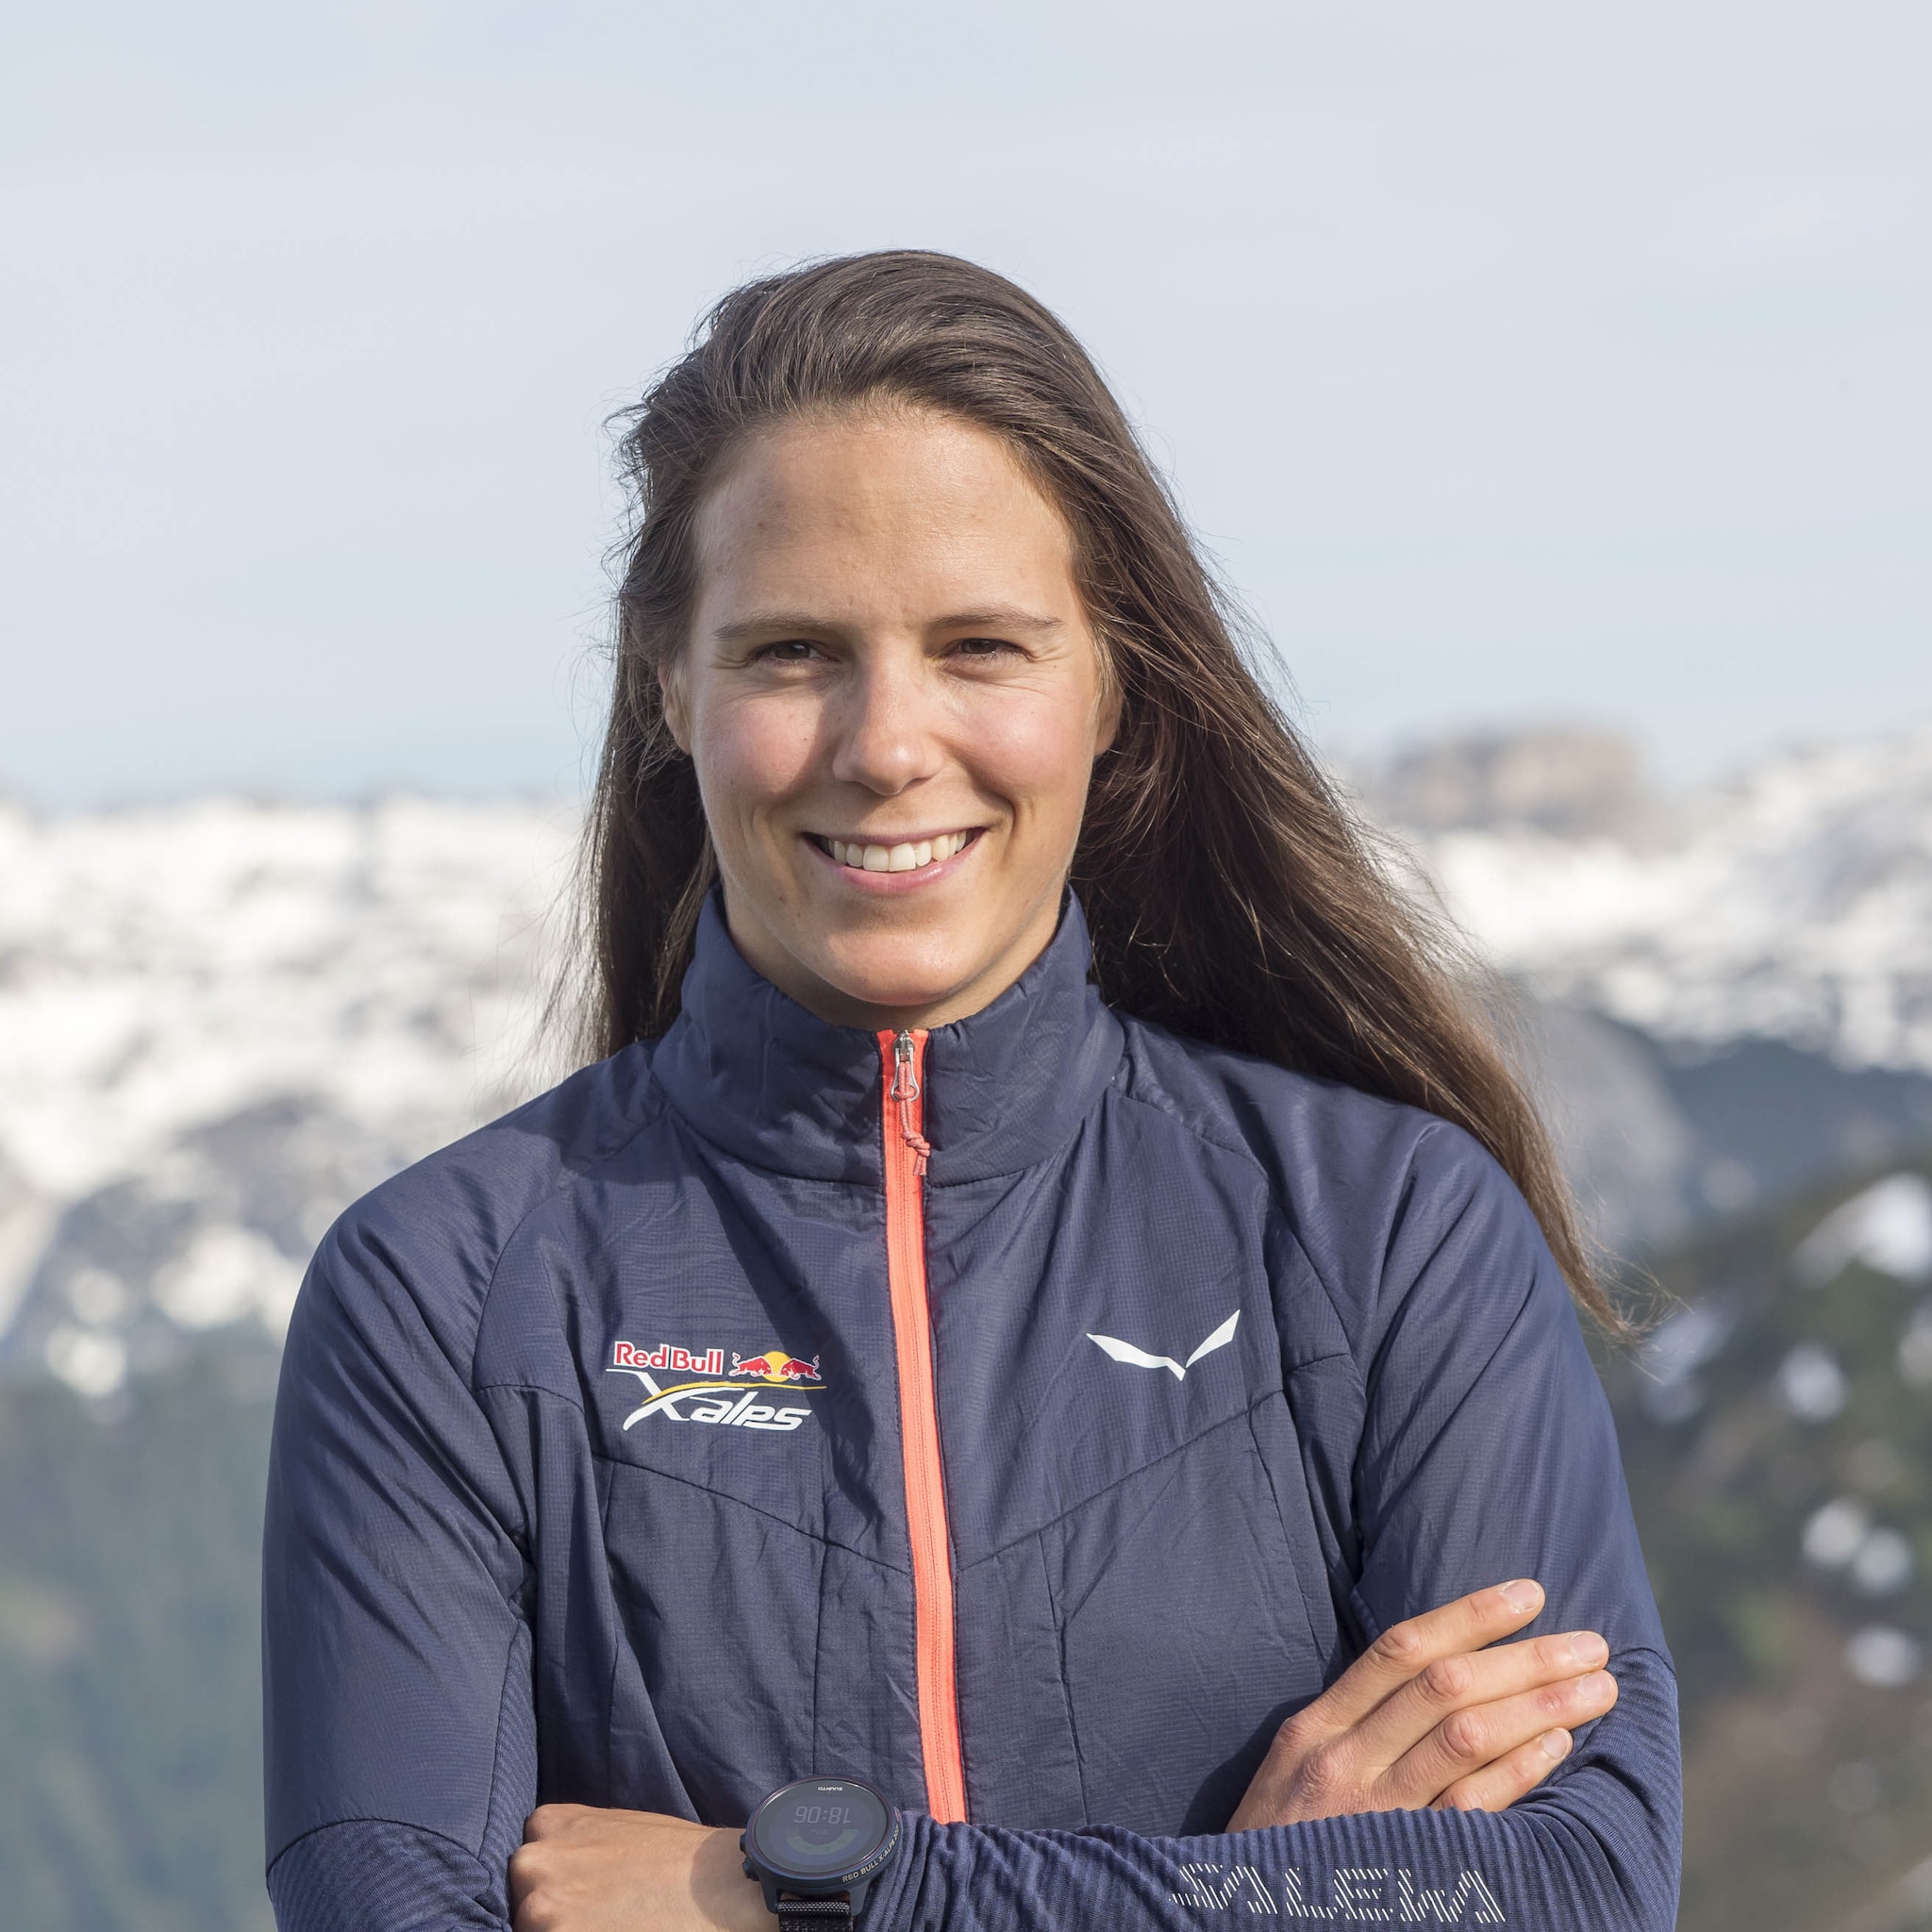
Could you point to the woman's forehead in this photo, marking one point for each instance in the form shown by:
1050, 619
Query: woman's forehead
929, 504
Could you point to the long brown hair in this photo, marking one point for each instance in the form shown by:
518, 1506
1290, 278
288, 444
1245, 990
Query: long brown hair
1232, 896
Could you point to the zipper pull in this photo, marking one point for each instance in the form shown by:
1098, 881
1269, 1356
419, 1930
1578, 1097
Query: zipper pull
906, 1090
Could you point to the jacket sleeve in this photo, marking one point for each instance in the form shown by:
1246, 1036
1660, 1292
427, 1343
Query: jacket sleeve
1486, 1452
399, 1733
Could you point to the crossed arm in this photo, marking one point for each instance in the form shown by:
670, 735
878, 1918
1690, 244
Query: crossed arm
1428, 1717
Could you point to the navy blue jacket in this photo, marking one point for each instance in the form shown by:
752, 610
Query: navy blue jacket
598, 1430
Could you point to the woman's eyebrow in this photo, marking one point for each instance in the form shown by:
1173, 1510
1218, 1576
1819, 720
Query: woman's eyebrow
998, 617
768, 624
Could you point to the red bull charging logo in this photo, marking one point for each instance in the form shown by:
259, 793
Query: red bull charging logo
730, 1398
777, 1366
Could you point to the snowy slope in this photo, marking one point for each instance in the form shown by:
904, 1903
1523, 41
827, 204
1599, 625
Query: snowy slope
1795, 904
220, 1020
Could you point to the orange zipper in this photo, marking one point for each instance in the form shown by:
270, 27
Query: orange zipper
902, 1056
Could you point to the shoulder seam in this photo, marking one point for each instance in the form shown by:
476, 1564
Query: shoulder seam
1276, 1204
1187, 1126
572, 1175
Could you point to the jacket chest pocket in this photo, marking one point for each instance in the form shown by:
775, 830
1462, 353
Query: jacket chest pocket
1182, 1596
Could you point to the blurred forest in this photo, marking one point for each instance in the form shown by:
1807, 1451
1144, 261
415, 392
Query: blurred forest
1777, 1436
130, 1540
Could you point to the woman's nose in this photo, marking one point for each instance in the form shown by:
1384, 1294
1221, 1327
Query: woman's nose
885, 736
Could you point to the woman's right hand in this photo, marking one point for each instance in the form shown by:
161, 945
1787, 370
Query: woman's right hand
1429, 1716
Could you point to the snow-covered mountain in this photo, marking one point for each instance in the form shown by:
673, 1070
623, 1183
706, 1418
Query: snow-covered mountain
221, 1020
1731, 989
1795, 904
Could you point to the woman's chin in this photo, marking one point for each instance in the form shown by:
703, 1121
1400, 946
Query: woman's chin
879, 982
895, 999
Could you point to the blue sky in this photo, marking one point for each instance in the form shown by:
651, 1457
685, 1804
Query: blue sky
1532, 363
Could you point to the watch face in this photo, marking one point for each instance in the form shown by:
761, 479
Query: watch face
820, 1827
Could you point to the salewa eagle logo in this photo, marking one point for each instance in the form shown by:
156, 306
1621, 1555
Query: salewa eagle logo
1140, 1358
715, 1396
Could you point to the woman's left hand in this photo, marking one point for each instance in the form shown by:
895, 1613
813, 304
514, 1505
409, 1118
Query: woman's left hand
1436, 1713
581, 1869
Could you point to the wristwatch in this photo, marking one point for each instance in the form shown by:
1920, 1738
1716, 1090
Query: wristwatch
816, 1845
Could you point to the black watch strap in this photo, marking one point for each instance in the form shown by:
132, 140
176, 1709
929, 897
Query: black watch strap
808, 1914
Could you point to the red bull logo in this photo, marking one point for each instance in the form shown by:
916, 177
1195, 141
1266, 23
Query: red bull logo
777, 1366
680, 1361
698, 1388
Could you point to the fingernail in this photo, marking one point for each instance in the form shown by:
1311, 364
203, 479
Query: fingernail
1555, 1743
1599, 1686
1587, 1647
1524, 1594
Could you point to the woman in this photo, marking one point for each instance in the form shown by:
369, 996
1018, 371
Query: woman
1093, 1364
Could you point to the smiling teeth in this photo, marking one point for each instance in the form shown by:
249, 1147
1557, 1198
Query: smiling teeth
901, 858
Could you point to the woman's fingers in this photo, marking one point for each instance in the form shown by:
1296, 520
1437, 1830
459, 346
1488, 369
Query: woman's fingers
1429, 1710
1407, 1648
1498, 1786
1468, 1741
1453, 1684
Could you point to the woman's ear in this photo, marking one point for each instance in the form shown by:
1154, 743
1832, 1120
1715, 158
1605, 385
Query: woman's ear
671, 689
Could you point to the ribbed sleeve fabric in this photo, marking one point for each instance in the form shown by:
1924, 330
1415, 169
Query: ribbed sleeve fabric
370, 1876
1590, 1855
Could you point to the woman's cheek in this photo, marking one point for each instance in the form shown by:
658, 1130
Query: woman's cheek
751, 755
1037, 754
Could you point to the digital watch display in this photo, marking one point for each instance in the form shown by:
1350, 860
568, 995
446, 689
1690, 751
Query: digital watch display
816, 1846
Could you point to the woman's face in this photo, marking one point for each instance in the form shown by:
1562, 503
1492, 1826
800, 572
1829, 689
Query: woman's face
893, 699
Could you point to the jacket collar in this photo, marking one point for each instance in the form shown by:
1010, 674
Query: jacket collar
775, 1086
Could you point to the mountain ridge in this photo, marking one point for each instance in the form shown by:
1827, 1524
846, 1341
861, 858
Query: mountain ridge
222, 1019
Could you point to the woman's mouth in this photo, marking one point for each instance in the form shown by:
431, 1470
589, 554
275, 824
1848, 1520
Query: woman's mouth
907, 855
